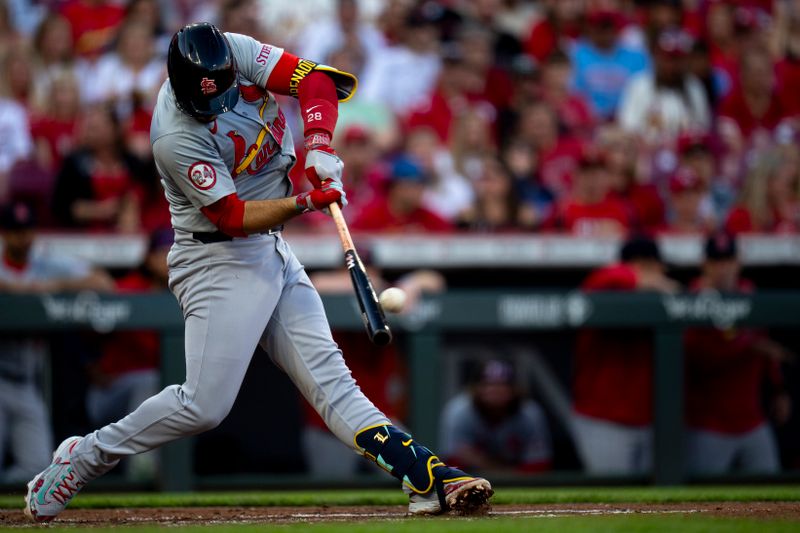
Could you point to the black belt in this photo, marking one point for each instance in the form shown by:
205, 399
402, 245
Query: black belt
208, 237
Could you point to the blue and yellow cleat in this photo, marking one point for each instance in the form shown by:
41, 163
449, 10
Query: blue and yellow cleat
453, 491
433, 487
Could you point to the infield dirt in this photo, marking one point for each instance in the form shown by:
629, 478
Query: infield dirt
279, 515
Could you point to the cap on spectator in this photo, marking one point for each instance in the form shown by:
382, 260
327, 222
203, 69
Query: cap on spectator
17, 216
407, 169
748, 18
721, 246
605, 18
639, 247
424, 14
685, 179
524, 66
497, 371
691, 142
674, 42
592, 157
355, 133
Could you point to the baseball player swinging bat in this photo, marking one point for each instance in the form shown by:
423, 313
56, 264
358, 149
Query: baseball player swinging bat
223, 151
371, 312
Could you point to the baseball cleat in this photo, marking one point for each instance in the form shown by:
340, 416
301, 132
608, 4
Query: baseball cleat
453, 491
51, 491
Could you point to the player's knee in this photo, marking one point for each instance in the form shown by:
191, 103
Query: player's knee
205, 414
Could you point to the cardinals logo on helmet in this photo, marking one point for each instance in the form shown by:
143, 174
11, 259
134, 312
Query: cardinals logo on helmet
208, 86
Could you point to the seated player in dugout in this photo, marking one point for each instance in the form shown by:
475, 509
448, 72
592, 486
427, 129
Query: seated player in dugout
223, 151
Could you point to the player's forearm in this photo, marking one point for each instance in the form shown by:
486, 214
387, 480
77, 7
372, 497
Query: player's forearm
262, 215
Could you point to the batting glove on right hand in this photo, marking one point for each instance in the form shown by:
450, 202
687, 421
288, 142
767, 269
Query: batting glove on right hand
330, 191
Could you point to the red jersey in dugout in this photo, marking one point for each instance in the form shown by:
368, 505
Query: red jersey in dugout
613, 368
724, 376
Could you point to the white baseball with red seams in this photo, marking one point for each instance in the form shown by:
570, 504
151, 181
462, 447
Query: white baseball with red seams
393, 299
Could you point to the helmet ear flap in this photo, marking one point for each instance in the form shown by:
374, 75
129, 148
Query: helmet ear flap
202, 71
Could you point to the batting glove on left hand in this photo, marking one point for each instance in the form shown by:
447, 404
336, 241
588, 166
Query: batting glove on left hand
330, 191
327, 165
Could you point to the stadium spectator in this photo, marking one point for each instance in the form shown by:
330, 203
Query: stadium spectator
54, 121
627, 184
498, 206
612, 385
9, 36
556, 156
590, 210
320, 40
574, 114
486, 80
15, 140
450, 98
449, 192
149, 13
757, 105
494, 427
695, 152
405, 74
401, 209
96, 186
770, 198
724, 46
131, 73
602, 64
725, 371
16, 82
127, 371
53, 50
94, 24
243, 16
686, 192
666, 101
24, 420
558, 28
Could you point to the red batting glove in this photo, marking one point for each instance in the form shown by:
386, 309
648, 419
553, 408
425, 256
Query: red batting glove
330, 191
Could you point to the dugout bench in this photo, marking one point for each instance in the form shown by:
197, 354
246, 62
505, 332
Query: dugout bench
453, 312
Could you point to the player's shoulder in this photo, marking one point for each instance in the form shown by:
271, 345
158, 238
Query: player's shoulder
171, 127
246, 49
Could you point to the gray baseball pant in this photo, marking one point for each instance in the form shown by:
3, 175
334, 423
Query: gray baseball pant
234, 296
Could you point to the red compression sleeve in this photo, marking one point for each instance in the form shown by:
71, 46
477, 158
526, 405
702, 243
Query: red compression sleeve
227, 214
319, 107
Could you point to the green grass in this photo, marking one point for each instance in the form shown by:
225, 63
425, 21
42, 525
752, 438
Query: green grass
395, 497
629, 523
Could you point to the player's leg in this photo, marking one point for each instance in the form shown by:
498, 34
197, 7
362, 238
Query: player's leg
227, 296
758, 451
299, 341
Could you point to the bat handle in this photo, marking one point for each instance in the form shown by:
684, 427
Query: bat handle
341, 227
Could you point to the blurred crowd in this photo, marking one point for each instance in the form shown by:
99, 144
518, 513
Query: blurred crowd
592, 117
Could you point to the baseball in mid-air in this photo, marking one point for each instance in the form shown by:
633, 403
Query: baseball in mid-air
393, 299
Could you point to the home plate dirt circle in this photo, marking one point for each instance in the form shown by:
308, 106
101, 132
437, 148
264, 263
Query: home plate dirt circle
277, 515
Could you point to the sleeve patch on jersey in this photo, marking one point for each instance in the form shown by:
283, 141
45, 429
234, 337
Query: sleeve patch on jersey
263, 55
304, 66
202, 175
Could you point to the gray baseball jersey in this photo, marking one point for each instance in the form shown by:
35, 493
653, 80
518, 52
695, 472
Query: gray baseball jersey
248, 150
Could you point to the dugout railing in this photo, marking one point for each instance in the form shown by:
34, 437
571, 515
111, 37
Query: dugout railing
424, 329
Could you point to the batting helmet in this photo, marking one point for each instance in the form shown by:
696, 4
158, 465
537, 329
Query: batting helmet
202, 71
